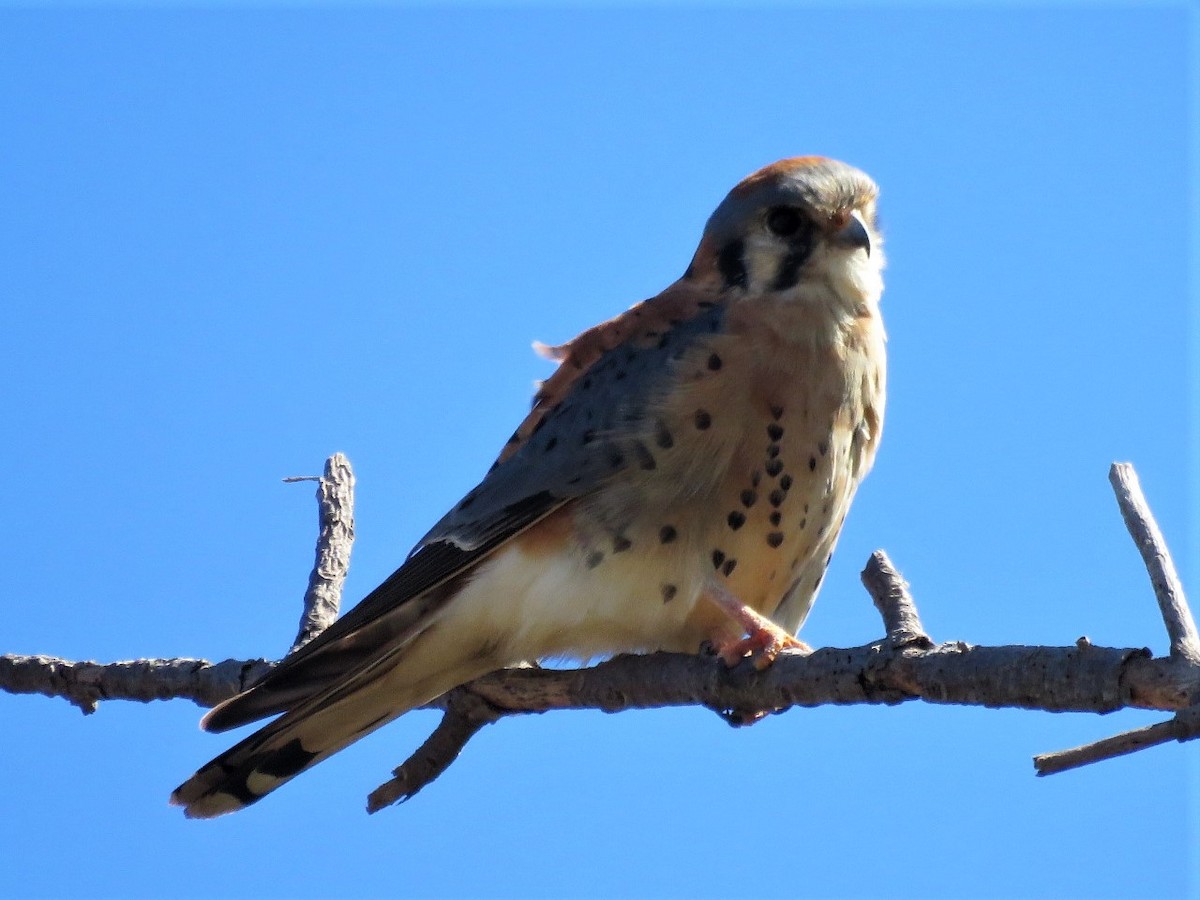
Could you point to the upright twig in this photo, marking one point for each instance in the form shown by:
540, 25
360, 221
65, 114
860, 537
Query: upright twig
1168, 590
889, 591
335, 539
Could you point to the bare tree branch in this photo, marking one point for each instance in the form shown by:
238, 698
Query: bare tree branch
1181, 628
465, 714
84, 684
335, 539
904, 666
1183, 726
894, 602
1168, 589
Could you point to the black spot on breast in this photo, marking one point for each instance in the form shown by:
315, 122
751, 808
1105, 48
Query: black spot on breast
621, 544
774, 431
822, 448
776, 517
777, 496
775, 538
668, 592
594, 559
703, 419
667, 533
730, 565
749, 498
718, 557
776, 413
773, 467
786, 482
803, 523
812, 463
731, 265
644, 456
616, 458
662, 437
736, 520
714, 363
772, 451
755, 478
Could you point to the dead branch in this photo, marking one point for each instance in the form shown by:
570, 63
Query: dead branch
1181, 629
906, 665
85, 684
1168, 589
335, 539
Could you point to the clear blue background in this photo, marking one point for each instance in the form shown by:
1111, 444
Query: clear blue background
233, 242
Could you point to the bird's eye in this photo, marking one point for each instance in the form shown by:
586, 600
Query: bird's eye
784, 221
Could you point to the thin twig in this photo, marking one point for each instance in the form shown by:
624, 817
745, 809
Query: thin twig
1183, 726
891, 596
1168, 590
335, 539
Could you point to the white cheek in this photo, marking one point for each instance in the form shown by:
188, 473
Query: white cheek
858, 277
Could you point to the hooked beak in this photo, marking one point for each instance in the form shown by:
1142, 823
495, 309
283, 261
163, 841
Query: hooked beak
853, 234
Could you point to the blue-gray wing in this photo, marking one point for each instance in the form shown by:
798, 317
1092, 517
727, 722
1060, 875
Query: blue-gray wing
568, 447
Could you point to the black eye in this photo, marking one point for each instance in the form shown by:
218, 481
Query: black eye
784, 221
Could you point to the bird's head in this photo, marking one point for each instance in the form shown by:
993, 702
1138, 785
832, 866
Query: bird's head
801, 221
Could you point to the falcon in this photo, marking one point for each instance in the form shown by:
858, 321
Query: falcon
680, 482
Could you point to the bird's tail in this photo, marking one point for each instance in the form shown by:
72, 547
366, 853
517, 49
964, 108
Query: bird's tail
367, 698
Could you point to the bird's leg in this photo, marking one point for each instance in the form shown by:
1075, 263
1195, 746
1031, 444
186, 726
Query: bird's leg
764, 639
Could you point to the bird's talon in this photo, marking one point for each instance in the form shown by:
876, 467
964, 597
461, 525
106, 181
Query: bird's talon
762, 645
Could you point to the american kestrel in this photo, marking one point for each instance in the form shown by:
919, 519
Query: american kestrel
681, 479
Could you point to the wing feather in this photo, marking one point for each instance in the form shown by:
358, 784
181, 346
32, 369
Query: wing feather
580, 433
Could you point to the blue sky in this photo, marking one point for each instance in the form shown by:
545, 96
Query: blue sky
233, 242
